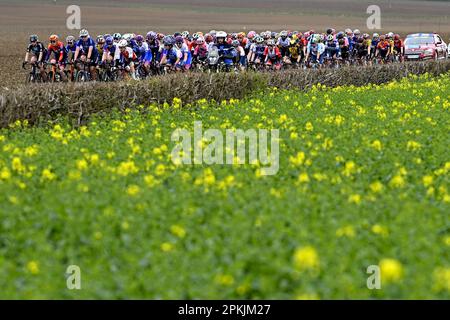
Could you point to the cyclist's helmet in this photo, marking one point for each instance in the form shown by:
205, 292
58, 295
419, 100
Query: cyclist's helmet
241, 35
185, 34
195, 36
396, 37
221, 34
366, 36
271, 43
169, 41
390, 35
179, 39
151, 35
329, 31
117, 36
100, 40
283, 34
357, 32
266, 35
70, 39
200, 40
259, 39
382, 37
235, 43
123, 43
84, 33
348, 32
340, 35
330, 38
375, 35
34, 38
161, 36
53, 38
234, 35
139, 38
109, 40
251, 35
209, 38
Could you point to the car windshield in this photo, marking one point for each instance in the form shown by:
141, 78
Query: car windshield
419, 40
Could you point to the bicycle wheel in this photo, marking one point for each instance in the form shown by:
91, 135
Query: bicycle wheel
81, 77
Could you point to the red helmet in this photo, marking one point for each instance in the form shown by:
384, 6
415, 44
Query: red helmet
396, 37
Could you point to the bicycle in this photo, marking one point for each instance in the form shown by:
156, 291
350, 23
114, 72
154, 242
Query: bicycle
83, 74
35, 75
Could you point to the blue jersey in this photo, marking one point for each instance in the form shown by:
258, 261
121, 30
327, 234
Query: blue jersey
71, 48
172, 55
85, 45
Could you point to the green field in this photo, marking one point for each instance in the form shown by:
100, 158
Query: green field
363, 180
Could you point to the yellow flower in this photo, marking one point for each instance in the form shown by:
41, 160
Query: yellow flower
306, 258
350, 168
376, 187
160, 170
347, 231
48, 175
397, 182
298, 160
427, 181
82, 164
150, 180
413, 146
5, 174
391, 270
309, 126
225, 280
303, 178
17, 165
354, 198
166, 247
33, 267
127, 167
441, 279
31, 151
380, 230
133, 190
178, 231
376, 145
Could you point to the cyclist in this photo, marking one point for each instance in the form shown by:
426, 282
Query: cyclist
295, 50
398, 48
273, 55
87, 52
332, 47
383, 49
315, 50
70, 50
200, 53
170, 55
241, 58
100, 44
58, 50
225, 49
374, 44
127, 58
111, 52
186, 61
35, 53
284, 43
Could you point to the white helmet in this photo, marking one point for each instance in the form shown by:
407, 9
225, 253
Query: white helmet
356, 32
123, 43
84, 33
221, 34
127, 37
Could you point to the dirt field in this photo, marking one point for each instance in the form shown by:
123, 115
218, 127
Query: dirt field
20, 18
